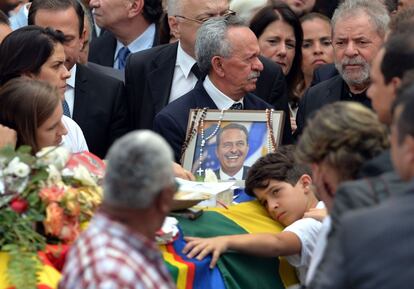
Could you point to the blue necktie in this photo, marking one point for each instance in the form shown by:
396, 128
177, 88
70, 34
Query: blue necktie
122, 57
66, 110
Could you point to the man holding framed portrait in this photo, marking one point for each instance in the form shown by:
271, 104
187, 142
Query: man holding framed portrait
227, 51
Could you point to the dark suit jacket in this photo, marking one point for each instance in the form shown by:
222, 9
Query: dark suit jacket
375, 247
102, 49
112, 72
378, 183
148, 80
99, 109
323, 73
244, 176
317, 96
171, 122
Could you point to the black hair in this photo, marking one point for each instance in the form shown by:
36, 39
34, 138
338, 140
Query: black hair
398, 56
56, 5
153, 11
279, 166
25, 50
275, 12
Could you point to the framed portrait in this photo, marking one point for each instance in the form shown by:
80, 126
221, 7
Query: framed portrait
228, 142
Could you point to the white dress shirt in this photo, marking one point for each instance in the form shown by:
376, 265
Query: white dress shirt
226, 177
74, 141
70, 90
183, 80
221, 100
142, 42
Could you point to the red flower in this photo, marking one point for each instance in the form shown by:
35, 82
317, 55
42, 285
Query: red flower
19, 205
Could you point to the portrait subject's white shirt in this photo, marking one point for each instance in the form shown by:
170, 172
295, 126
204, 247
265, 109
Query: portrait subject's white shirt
221, 100
183, 80
226, 177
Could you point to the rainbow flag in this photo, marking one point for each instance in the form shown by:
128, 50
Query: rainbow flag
233, 270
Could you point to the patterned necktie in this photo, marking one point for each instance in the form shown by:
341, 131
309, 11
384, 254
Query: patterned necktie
196, 71
236, 106
66, 110
122, 57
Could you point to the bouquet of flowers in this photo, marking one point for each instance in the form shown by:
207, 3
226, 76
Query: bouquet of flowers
43, 197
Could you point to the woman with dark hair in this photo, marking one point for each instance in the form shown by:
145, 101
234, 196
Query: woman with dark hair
317, 46
37, 53
317, 50
34, 110
280, 39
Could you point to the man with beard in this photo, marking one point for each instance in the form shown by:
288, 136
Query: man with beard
227, 51
359, 28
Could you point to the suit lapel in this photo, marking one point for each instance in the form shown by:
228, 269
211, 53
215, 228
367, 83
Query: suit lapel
335, 89
161, 77
202, 99
80, 108
107, 50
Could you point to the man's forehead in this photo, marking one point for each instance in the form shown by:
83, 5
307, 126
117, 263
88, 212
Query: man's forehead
206, 6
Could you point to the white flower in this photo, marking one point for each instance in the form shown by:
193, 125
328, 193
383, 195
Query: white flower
17, 168
210, 176
57, 156
82, 174
54, 175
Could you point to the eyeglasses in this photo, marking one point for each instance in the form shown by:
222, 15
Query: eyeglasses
201, 21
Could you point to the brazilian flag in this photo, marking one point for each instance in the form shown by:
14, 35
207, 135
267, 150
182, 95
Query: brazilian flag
233, 270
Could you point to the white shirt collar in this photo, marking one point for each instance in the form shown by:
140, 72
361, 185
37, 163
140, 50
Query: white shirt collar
142, 42
184, 61
71, 80
221, 100
237, 176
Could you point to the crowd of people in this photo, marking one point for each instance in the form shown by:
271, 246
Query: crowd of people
87, 74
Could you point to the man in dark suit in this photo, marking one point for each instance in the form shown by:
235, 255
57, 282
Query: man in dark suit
380, 181
95, 101
129, 27
157, 76
374, 246
232, 143
227, 51
358, 33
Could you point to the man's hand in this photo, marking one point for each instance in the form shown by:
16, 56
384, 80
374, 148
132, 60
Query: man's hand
8, 136
201, 247
180, 172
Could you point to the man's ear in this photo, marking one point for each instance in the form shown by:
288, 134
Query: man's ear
136, 8
396, 83
306, 182
217, 66
164, 200
409, 145
174, 26
82, 38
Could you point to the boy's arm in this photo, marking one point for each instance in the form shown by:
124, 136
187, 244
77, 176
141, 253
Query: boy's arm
263, 244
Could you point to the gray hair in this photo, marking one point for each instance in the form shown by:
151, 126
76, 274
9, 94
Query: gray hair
174, 7
375, 10
139, 166
212, 40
